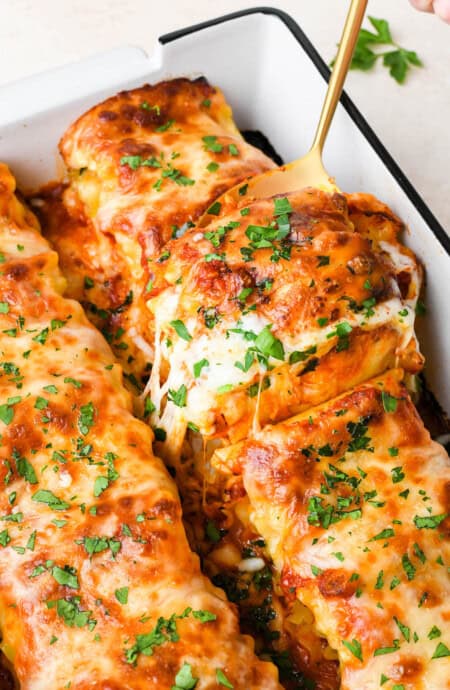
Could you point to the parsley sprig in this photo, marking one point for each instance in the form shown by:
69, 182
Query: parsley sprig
397, 60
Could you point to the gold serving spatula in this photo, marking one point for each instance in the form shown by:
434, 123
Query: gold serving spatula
309, 171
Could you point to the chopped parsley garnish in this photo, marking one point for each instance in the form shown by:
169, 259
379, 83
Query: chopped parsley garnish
160, 434
434, 632
121, 595
95, 545
358, 431
165, 126
65, 576
268, 345
244, 293
282, 206
164, 256
74, 382
12, 517
211, 144
181, 329
31, 541
176, 176
214, 256
384, 534
211, 316
388, 650
198, 366
41, 337
204, 616
252, 391
25, 468
429, 521
441, 651
101, 483
405, 631
214, 209
184, 679
135, 162
71, 613
226, 388
4, 538
248, 361
389, 402
216, 236
397, 474
301, 356
8, 474
49, 498
419, 553
178, 397
6, 413
354, 647
86, 418
380, 580
408, 567
212, 532
342, 331
223, 680
165, 630
57, 323
149, 406
394, 583
325, 515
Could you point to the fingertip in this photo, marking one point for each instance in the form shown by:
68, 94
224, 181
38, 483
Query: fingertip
422, 5
442, 9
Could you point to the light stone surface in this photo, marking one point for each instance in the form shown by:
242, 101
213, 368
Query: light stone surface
412, 120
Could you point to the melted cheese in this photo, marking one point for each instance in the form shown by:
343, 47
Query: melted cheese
126, 211
352, 501
92, 547
335, 297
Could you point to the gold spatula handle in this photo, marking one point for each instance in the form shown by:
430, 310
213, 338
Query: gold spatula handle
341, 66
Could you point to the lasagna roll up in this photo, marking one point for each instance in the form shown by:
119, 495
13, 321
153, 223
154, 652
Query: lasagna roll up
143, 166
98, 587
352, 499
274, 306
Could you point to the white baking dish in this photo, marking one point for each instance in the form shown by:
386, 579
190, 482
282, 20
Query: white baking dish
275, 81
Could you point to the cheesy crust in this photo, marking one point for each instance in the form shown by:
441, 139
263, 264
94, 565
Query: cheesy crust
275, 306
143, 166
98, 586
352, 500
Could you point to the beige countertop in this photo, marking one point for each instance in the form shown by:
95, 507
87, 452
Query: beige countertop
412, 120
